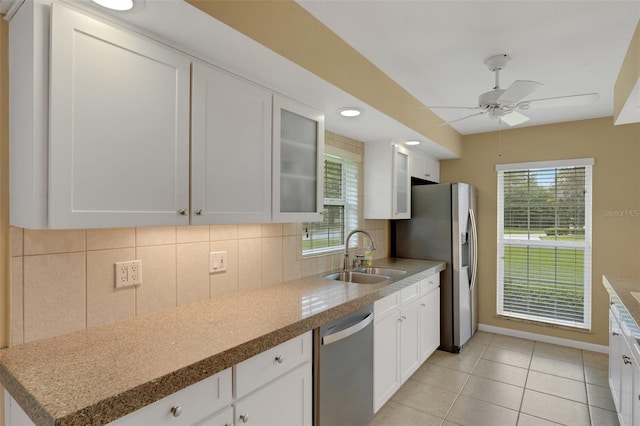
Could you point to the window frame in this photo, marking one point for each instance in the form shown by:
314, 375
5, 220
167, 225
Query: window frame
352, 215
557, 244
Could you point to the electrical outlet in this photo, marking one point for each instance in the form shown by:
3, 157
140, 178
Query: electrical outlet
217, 261
128, 273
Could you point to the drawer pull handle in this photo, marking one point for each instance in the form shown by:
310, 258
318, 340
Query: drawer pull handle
244, 418
279, 359
404, 318
176, 410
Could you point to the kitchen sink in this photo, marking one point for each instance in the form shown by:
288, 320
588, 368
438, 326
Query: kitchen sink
356, 277
388, 272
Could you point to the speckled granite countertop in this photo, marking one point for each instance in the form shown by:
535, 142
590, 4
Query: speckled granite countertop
627, 306
97, 375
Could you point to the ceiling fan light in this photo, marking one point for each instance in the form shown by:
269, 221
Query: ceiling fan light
115, 4
514, 118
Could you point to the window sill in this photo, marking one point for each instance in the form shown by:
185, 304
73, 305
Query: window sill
544, 324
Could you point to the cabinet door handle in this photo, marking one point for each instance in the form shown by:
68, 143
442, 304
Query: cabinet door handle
279, 359
176, 410
199, 212
626, 359
400, 319
423, 305
244, 418
183, 212
613, 333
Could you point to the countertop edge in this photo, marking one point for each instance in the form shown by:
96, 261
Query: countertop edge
121, 404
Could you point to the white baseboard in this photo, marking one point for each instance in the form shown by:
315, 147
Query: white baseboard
543, 338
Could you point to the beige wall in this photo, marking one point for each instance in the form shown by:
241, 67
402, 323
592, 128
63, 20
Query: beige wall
63, 281
616, 187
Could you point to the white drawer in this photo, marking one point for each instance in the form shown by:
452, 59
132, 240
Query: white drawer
386, 305
430, 283
268, 365
195, 403
409, 294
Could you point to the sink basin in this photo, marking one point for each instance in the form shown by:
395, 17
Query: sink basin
356, 277
388, 272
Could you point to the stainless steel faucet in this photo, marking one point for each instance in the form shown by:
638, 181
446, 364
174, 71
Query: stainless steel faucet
346, 246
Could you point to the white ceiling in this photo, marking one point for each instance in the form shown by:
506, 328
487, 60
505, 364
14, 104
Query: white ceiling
436, 49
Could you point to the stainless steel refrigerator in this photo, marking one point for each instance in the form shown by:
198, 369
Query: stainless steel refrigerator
443, 227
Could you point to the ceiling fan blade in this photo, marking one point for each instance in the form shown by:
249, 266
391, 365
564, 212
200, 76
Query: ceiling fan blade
514, 118
452, 107
519, 90
446, 123
560, 101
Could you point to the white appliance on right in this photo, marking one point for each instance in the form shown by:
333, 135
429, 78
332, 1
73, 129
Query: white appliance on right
443, 227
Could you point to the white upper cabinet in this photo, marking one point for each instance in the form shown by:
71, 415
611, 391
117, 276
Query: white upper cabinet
109, 128
387, 181
230, 149
424, 167
119, 127
298, 162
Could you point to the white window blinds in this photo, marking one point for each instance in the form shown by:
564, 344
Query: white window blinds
544, 242
340, 214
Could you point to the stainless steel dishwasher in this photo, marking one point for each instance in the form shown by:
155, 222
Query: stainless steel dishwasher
343, 367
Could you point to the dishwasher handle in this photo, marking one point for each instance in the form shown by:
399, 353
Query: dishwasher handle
343, 334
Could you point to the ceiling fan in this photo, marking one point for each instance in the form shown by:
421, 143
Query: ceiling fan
504, 104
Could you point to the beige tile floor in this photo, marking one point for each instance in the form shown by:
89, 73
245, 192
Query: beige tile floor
499, 380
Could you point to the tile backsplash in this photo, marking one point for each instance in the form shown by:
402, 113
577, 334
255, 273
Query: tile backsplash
63, 281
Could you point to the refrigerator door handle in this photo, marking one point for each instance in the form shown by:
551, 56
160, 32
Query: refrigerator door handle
474, 245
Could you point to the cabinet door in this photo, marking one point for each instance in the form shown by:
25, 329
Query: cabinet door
285, 401
409, 340
429, 323
636, 394
626, 383
119, 127
615, 358
298, 162
230, 149
386, 373
401, 184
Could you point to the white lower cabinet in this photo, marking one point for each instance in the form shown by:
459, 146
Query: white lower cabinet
386, 344
285, 401
624, 369
406, 331
429, 323
275, 387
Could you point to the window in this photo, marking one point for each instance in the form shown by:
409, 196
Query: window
544, 242
340, 214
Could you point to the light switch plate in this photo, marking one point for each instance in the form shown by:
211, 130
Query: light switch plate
217, 261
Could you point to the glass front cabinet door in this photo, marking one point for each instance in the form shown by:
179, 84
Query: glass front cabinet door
298, 162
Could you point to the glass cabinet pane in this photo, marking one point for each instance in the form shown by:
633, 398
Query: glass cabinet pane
402, 182
298, 162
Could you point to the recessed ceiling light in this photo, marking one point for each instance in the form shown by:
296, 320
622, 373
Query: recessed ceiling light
412, 143
115, 4
350, 112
